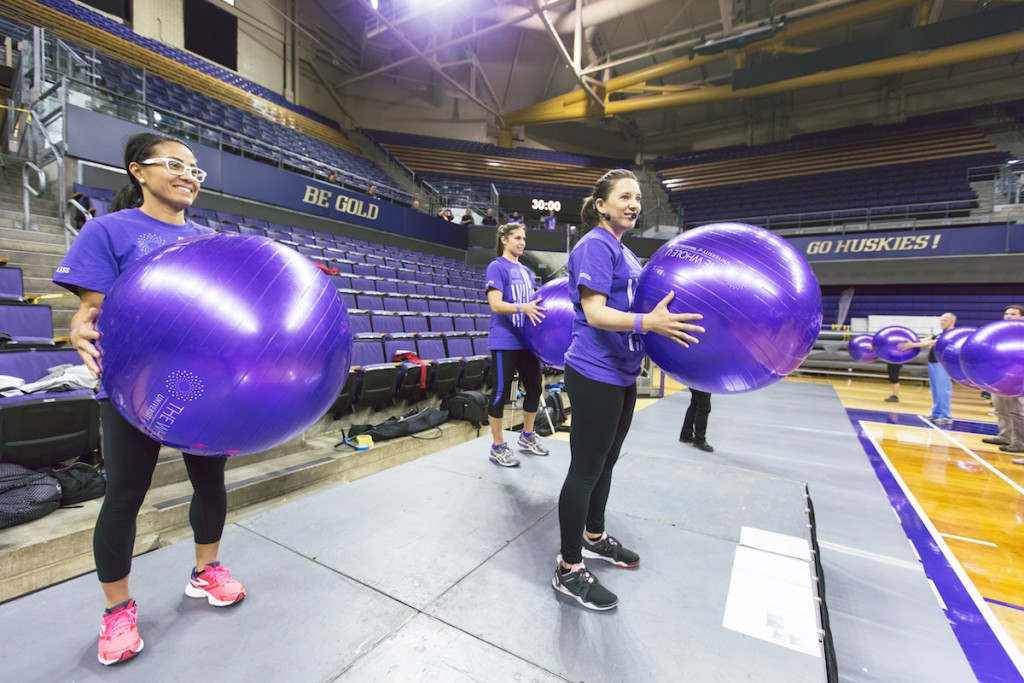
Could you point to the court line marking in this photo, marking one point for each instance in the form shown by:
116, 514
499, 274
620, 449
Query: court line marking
868, 555
1004, 604
977, 457
970, 540
1012, 650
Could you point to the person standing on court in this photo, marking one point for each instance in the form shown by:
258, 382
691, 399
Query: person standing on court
938, 379
1009, 409
695, 424
147, 213
893, 369
509, 290
601, 368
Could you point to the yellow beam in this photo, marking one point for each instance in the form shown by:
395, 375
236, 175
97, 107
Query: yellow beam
955, 54
568, 107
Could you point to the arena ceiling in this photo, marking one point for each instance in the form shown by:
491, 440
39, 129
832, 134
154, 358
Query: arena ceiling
659, 75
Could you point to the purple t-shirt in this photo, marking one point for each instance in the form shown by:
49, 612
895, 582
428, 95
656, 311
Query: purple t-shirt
603, 264
515, 282
110, 244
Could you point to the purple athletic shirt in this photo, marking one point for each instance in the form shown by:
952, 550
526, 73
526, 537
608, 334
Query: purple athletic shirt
603, 264
110, 244
515, 282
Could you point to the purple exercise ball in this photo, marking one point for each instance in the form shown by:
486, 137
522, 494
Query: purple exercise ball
887, 340
993, 357
860, 348
947, 352
759, 298
224, 344
551, 338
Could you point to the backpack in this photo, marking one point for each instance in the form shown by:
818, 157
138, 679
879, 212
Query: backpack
78, 483
25, 495
467, 405
551, 415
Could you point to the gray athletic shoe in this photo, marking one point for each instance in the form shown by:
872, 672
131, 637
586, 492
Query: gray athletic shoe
532, 444
503, 455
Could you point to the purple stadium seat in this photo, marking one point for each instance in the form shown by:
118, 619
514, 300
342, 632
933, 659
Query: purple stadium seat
415, 323
26, 325
386, 323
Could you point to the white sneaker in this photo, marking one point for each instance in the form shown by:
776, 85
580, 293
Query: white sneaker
503, 455
532, 444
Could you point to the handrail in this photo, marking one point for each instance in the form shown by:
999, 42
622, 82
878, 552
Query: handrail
70, 231
58, 158
28, 189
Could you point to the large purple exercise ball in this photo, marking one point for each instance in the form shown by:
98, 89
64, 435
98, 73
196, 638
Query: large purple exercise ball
887, 340
993, 357
759, 298
860, 349
550, 339
224, 344
947, 352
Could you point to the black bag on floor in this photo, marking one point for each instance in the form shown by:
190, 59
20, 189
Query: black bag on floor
551, 414
407, 425
467, 405
25, 495
79, 482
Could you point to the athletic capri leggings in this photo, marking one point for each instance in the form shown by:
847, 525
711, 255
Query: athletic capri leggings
129, 457
894, 372
504, 365
601, 415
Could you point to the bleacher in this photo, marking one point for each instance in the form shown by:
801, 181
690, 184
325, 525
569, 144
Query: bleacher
475, 166
918, 168
206, 102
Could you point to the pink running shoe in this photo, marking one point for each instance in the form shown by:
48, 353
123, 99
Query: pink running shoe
119, 635
216, 585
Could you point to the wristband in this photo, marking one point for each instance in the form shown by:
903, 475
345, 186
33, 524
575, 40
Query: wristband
518, 309
638, 323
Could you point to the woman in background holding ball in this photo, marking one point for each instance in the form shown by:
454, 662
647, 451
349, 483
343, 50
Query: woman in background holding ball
601, 368
509, 290
147, 214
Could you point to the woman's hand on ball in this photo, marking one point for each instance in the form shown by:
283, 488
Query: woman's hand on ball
83, 337
672, 325
534, 311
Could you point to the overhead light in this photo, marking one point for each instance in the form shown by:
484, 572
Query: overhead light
373, 4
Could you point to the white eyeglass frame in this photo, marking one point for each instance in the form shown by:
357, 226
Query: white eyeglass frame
198, 174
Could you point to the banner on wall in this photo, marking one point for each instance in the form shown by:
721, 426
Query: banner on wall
922, 243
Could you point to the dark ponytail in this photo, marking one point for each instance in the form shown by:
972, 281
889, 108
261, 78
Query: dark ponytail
589, 215
139, 148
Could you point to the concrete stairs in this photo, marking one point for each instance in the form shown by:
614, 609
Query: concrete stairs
37, 252
373, 152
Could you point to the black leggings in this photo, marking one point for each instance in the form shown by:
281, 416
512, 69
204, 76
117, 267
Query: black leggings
129, 457
601, 415
504, 365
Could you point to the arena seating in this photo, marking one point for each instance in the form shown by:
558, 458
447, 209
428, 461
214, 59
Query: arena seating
11, 284
24, 326
201, 101
472, 167
47, 427
915, 168
973, 305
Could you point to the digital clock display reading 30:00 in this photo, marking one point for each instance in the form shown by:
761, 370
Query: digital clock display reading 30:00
545, 205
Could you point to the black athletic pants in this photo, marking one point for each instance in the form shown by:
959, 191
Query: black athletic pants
601, 415
695, 424
504, 365
129, 458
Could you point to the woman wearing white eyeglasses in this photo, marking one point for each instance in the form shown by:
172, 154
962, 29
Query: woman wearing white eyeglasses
147, 214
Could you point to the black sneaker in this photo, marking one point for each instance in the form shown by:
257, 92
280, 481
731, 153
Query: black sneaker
893, 399
995, 440
583, 587
686, 438
703, 446
610, 550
